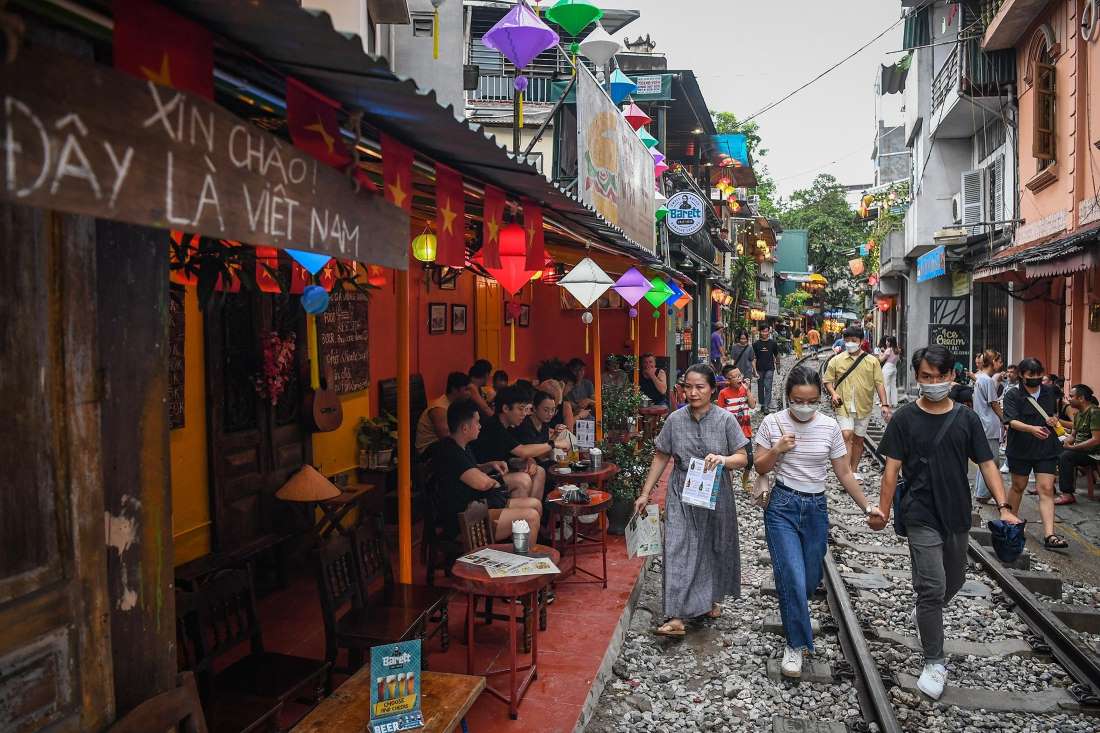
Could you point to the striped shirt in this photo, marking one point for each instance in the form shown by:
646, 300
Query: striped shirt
818, 442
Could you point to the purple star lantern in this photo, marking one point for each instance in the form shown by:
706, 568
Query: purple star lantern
520, 36
632, 286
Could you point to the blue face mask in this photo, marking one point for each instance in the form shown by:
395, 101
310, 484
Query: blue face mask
935, 392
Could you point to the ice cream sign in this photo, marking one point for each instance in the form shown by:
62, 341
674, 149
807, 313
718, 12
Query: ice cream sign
686, 214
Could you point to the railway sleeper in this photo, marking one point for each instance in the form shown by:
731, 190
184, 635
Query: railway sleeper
1049, 701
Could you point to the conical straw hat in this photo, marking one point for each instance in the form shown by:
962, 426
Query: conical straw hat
307, 485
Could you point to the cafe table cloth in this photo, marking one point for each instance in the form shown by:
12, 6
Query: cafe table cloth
702, 555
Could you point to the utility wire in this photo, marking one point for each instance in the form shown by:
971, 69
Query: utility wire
820, 76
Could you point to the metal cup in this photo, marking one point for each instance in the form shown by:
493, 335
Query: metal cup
521, 541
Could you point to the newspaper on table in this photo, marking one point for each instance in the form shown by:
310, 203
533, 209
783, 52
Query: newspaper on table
586, 433
701, 486
643, 533
500, 564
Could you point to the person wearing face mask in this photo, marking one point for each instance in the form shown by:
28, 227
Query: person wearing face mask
852, 379
799, 444
930, 442
765, 352
738, 400
1031, 413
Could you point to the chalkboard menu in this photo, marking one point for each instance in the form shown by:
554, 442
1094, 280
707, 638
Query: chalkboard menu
342, 341
175, 356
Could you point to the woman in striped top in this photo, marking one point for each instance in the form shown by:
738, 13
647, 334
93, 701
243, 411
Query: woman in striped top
799, 443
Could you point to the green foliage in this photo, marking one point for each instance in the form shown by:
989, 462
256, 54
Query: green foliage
377, 433
795, 301
633, 459
619, 403
891, 204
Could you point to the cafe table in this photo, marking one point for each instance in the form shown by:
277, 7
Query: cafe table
651, 419
474, 581
445, 700
596, 477
598, 504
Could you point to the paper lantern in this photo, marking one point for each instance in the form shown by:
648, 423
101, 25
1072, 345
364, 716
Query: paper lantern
659, 197
658, 156
659, 170
424, 247
633, 286
648, 140
661, 213
513, 273
636, 116
573, 15
620, 87
311, 261
314, 300
633, 312
658, 293
586, 318
599, 47
683, 301
677, 293
376, 276
587, 282
520, 36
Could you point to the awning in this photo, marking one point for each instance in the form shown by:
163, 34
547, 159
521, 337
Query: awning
305, 45
893, 76
1074, 253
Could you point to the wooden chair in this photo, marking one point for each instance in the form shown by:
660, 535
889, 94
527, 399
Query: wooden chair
178, 709
375, 567
225, 619
225, 711
476, 531
362, 625
438, 551
1091, 474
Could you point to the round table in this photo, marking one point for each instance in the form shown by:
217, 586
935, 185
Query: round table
599, 503
474, 580
598, 477
651, 418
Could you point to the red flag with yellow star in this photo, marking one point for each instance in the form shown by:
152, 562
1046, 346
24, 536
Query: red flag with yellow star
536, 241
299, 277
267, 261
450, 217
397, 162
493, 218
152, 42
311, 119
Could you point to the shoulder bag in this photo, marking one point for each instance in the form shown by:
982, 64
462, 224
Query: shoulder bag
849, 370
762, 485
902, 488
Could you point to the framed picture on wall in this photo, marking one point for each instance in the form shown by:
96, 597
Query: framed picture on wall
437, 318
458, 318
524, 316
448, 283
507, 316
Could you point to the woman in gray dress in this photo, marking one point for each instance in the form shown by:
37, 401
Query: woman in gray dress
702, 559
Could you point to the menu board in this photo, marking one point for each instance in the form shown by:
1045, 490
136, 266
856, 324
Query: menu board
176, 358
342, 341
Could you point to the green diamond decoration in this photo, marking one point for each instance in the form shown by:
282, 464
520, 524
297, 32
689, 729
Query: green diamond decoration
659, 294
661, 213
573, 15
648, 140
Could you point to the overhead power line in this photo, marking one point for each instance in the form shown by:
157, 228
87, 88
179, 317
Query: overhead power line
823, 74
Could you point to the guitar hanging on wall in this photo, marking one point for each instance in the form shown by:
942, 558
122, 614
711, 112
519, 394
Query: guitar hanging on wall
322, 410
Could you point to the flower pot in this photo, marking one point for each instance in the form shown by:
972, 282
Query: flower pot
380, 458
619, 514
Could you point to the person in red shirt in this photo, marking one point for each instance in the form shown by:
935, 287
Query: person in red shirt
739, 400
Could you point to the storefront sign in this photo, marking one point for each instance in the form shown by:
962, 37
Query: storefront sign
686, 214
342, 338
949, 326
395, 695
615, 169
84, 138
648, 85
932, 265
960, 284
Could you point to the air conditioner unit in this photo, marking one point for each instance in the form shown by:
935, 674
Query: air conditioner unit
956, 209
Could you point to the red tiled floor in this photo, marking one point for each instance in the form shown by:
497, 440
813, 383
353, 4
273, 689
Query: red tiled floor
580, 626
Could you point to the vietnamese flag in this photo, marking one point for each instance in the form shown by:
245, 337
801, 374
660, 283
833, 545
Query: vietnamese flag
450, 217
178, 255
299, 277
493, 218
152, 42
397, 162
328, 275
267, 263
311, 118
536, 240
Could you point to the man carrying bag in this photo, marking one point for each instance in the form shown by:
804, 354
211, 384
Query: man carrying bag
852, 380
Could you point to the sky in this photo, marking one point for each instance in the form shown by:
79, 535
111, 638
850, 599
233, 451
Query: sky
748, 53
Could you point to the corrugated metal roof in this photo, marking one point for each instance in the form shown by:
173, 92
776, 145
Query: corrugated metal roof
893, 78
305, 44
1031, 255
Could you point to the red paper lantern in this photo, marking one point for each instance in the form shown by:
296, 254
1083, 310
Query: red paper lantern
513, 273
376, 276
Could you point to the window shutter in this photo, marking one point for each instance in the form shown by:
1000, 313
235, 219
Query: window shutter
997, 189
1042, 146
972, 199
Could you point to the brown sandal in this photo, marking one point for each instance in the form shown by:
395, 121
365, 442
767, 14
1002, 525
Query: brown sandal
714, 612
667, 629
1055, 542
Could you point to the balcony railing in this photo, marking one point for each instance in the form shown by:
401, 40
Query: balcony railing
946, 80
500, 89
987, 10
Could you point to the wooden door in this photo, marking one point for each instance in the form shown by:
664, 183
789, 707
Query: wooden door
55, 658
489, 317
253, 446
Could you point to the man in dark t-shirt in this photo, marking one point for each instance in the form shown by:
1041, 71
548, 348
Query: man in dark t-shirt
765, 351
459, 479
498, 442
935, 510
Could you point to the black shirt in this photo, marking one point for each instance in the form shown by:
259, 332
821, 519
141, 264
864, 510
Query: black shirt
765, 352
526, 433
449, 462
1017, 406
649, 389
939, 490
495, 443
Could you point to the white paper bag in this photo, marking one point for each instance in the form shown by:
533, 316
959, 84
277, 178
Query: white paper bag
643, 533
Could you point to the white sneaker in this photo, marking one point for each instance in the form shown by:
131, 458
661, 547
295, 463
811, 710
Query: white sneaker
913, 620
792, 662
1004, 467
932, 680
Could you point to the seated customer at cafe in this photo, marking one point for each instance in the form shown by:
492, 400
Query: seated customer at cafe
500, 381
479, 378
613, 374
538, 427
432, 425
583, 394
653, 381
460, 479
497, 442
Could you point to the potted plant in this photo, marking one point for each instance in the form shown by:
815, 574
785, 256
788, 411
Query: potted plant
633, 458
620, 409
377, 437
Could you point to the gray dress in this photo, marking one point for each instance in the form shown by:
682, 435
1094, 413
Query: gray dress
702, 556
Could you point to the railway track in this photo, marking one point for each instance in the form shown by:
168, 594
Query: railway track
1026, 666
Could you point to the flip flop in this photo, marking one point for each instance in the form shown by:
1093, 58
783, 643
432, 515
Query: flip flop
1054, 542
713, 613
667, 629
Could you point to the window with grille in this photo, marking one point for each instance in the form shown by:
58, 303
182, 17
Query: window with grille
1043, 142
423, 25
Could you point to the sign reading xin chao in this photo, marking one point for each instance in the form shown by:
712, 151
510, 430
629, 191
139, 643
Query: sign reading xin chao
88, 139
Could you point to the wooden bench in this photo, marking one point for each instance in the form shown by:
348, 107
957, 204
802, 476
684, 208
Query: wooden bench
190, 575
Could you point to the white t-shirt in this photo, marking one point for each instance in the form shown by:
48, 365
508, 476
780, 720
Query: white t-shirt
817, 443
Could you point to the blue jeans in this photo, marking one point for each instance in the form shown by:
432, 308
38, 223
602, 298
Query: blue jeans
796, 528
764, 390
980, 489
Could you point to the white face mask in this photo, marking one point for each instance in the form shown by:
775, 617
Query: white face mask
851, 346
803, 413
935, 392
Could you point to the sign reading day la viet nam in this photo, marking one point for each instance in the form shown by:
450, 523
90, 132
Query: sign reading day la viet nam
932, 265
615, 168
87, 139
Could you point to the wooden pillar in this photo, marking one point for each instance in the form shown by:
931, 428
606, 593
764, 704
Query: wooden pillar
132, 284
597, 367
404, 431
